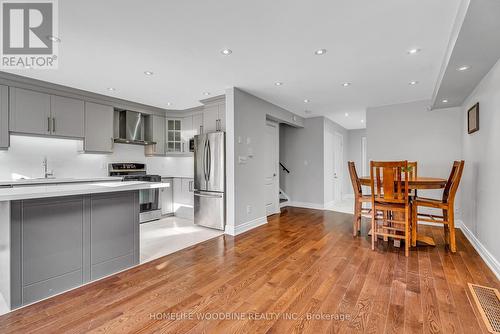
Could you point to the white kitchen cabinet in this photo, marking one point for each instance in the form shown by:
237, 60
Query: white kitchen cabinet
210, 118
98, 128
67, 116
214, 117
29, 112
155, 131
4, 117
167, 197
43, 114
197, 124
184, 197
186, 132
174, 140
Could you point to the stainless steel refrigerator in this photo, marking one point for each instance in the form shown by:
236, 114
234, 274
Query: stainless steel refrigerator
210, 180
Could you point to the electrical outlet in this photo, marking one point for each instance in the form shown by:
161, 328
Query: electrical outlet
249, 209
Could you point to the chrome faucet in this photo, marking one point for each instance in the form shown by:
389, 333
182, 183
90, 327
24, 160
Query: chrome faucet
47, 173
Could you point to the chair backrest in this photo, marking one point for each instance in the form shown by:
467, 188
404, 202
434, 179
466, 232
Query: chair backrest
389, 181
453, 181
412, 165
356, 184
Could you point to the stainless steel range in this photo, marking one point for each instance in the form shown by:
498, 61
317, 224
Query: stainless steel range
148, 198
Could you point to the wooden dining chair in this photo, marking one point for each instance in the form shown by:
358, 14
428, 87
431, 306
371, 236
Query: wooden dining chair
446, 205
413, 174
389, 185
359, 199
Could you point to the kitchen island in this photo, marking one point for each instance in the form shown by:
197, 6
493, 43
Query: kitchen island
58, 236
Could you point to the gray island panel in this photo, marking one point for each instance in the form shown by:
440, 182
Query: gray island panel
63, 242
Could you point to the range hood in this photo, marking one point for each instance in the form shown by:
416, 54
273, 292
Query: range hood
129, 128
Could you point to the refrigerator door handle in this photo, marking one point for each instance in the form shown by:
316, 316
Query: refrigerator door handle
205, 160
208, 195
209, 158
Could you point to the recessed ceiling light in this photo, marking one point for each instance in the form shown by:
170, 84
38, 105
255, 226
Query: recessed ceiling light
346, 84
54, 39
445, 101
306, 101
412, 83
111, 89
320, 52
226, 52
206, 93
148, 73
362, 121
169, 103
346, 114
463, 68
413, 51
278, 83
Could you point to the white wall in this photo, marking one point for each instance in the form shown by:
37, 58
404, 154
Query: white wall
25, 156
481, 152
301, 151
409, 131
249, 114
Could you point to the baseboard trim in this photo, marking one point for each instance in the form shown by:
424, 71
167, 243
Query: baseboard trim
306, 205
488, 258
247, 226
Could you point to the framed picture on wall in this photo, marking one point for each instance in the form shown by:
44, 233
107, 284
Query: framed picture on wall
473, 119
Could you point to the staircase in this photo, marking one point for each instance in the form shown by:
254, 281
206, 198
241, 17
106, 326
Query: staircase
284, 199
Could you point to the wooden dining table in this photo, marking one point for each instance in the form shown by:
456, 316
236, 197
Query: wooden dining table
419, 182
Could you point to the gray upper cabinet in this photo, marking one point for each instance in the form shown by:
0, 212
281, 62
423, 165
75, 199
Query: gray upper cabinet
214, 117
155, 131
67, 116
29, 112
4, 117
98, 128
43, 114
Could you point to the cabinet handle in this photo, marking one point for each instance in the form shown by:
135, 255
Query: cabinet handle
216, 125
48, 124
53, 124
201, 129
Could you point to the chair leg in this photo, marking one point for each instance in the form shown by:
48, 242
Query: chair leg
451, 227
374, 234
446, 228
414, 225
357, 217
407, 231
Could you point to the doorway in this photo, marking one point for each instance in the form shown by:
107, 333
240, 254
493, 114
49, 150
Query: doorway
271, 182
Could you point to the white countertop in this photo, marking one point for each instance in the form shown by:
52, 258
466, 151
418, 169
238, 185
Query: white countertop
22, 182
69, 189
176, 177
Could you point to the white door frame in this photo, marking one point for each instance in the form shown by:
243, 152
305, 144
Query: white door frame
339, 173
275, 125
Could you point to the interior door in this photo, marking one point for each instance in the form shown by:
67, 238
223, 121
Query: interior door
338, 152
271, 169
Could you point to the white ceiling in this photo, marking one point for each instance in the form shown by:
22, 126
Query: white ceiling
111, 43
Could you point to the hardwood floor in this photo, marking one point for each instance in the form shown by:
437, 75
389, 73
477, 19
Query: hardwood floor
304, 264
